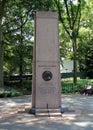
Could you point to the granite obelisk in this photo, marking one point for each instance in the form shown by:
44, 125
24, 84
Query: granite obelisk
46, 94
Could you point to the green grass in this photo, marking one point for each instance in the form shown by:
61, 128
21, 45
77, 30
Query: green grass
67, 86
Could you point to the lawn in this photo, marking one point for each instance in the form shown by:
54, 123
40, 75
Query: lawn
67, 86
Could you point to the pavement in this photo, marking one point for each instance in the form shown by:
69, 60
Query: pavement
14, 114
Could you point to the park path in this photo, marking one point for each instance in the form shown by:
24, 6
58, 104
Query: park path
14, 114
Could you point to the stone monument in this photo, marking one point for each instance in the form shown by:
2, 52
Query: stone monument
46, 94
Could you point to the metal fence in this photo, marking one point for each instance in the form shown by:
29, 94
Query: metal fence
81, 75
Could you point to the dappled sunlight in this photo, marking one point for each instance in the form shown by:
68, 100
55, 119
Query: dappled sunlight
28, 121
84, 124
79, 114
14, 101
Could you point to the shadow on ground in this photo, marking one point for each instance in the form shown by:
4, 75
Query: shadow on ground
15, 118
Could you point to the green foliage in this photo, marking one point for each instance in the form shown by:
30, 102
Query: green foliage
18, 30
85, 38
17, 26
12, 93
27, 85
67, 86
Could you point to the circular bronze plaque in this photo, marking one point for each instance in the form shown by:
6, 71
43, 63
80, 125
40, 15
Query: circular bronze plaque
47, 75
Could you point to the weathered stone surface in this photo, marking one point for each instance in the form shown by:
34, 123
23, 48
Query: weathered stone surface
46, 63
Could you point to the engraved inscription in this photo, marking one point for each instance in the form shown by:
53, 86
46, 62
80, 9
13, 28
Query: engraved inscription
47, 89
46, 65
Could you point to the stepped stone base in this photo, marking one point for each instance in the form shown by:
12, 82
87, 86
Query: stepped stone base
47, 113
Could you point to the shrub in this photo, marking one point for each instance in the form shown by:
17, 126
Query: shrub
12, 93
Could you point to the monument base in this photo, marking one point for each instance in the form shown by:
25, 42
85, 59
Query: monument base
45, 112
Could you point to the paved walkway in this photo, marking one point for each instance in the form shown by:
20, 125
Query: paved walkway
13, 116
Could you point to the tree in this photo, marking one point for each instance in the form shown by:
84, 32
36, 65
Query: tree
18, 30
85, 38
2, 7
69, 15
89, 59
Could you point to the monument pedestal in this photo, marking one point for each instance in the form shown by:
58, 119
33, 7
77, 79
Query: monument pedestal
46, 94
47, 112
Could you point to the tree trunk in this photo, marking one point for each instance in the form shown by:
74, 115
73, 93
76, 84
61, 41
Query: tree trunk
2, 6
1, 59
21, 70
74, 60
1, 49
21, 54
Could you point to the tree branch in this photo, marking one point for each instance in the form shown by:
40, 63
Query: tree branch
78, 22
16, 29
60, 17
2, 6
68, 15
78, 9
72, 14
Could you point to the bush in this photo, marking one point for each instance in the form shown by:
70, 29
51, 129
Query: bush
12, 93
